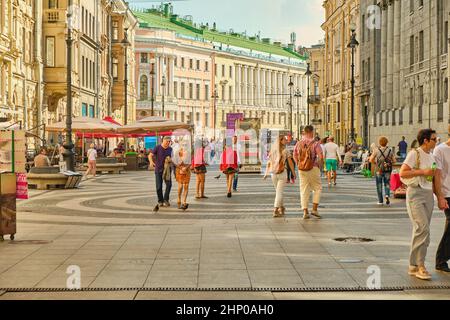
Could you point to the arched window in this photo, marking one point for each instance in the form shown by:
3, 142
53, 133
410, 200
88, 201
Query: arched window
144, 87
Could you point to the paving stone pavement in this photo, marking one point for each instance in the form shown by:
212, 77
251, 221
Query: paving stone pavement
108, 229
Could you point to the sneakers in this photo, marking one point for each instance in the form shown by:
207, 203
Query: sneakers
305, 214
229, 195
293, 181
443, 268
412, 270
166, 204
277, 213
316, 214
388, 202
282, 211
423, 274
380, 204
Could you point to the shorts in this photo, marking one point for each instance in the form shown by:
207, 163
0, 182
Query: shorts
229, 171
199, 169
182, 176
331, 164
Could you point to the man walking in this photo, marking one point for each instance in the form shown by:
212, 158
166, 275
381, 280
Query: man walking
332, 156
309, 157
162, 165
442, 157
402, 149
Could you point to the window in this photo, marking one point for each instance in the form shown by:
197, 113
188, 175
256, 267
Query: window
198, 64
223, 92
182, 62
231, 72
206, 92
197, 117
206, 66
420, 3
420, 109
411, 105
144, 87
338, 112
411, 50
393, 117
444, 39
316, 65
230, 93
82, 19
215, 69
183, 94
223, 70
446, 90
411, 6
115, 67
191, 91
175, 63
206, 119
191, 64
91, 111
53, 4
421, 46
175, 89
144, 57
84, 110
115, 30
182, 116
50, 51
197, 91
400, 116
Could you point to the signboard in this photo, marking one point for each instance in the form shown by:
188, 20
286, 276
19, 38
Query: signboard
231, 120
22, 186
249, 141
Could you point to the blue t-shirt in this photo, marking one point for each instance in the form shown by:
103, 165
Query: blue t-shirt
402, 146
160, 153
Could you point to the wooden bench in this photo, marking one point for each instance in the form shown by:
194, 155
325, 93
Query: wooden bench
45, 177
110, 165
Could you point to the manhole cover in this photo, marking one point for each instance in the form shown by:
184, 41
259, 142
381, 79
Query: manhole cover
30, 242
353, 239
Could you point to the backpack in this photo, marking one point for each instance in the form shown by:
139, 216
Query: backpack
305, 157
384, 163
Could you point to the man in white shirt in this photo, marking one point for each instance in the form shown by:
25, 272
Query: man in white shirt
419, 198
332, 156
442, 157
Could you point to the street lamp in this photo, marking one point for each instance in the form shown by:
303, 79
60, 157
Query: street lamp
308, 73
152, 99
298, 95
352, 45
68, 146
290, 84
125, 44
163, 85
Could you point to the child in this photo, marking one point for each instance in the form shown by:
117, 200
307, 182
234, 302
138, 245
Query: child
182, 175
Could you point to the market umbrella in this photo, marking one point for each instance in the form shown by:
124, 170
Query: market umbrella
86, 125
153, 124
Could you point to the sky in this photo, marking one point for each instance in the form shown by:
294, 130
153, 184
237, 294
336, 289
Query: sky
275, 19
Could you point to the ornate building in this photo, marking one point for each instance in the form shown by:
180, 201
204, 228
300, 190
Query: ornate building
208, 74
340, 17
20, 62
404, 62
316, 85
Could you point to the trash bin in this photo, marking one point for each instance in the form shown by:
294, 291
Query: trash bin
7, 205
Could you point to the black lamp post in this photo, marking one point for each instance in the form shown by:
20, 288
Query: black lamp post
352, 45
125, 44
308, 73
152, 99
163, 87
68, 146
290, 84
298, 95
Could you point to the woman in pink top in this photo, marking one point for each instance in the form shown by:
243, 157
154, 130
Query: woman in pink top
199, 168
229, 165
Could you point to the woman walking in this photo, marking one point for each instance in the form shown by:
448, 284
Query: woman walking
278, 157
182, 175
382, 160
229, 165
92, 159
199, 168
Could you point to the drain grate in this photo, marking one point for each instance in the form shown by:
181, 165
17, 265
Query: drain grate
353, 239
30, 242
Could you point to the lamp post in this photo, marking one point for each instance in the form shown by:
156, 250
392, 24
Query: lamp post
298, 95
68, 146
152, 99
163, 85
352, 45
125, 44
290, 84
308, 73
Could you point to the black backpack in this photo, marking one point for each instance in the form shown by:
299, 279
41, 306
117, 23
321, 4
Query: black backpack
384, 162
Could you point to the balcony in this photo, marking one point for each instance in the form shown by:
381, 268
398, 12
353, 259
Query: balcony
314, 98
54, 15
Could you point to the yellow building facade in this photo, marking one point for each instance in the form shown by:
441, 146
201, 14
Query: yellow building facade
340, 17
316, 61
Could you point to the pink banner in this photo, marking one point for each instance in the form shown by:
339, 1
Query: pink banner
22, 186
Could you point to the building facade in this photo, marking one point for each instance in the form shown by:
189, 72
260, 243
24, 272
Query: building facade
97, 58
340, 17
407, 59
208, 74
316, 84
20, 62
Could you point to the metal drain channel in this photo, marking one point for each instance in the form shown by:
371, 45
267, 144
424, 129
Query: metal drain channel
306, 289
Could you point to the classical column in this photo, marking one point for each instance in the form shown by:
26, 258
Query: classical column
258, 87
397, 52
237, 82
390, 57
157, 74
245, 86
171, 73
383, 56
251, 82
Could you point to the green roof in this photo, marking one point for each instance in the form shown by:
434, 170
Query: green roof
156, 19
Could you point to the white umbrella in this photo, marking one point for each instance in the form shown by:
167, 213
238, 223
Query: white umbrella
153, 124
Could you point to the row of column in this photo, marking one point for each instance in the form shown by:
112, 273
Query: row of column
391, 54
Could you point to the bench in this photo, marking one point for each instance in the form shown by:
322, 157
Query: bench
45, 177
110, 165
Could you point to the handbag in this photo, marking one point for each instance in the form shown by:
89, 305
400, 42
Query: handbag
414, 181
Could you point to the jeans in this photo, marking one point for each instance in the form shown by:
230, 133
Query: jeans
290, 174
159, 188
235, 181
385, 178
443, 251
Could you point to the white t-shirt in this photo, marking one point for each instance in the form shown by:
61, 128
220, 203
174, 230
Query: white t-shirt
426, 161
331, 151
92, 154
442, 157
